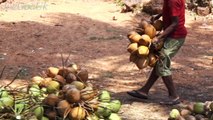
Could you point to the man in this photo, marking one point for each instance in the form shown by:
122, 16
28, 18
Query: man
174, 35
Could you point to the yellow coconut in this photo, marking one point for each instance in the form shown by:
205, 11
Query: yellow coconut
146, 40
150, 31
135, 38
79, 85
75, 66
53, 87
158, 24
45, 82
131, 33
77, 113
52, 72
37, 80
142, 62
143, 51
132, 47
143, 24
152, 59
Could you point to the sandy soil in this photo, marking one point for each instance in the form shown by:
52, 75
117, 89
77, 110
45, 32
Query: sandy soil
34, 34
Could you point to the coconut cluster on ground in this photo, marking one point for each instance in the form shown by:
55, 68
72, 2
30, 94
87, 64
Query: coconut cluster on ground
143, 52
59, 94
195, 111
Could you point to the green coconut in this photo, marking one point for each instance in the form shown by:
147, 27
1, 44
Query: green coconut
3, 93
199, 108
103, 110
174, 114
53, 87
7, 101
19, 107
115, 105
104, 96
114, 116
39, 112
44, 118
79, 85
92, 117
43, 90
35, 90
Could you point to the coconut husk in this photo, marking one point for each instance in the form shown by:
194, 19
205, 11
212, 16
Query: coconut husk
73, 95
70, 78
51, 100
82, 75
62, 107
142, 62
60, 79
133, 57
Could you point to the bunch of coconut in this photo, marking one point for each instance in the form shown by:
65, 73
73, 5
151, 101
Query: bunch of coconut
140, 47
195, 111
67, 94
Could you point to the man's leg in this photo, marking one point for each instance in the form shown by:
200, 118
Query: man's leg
152, 79
143, 92
168, 81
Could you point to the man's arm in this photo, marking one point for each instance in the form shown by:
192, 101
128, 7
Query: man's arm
168, 30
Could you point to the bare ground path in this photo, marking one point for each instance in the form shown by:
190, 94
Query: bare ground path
33, 40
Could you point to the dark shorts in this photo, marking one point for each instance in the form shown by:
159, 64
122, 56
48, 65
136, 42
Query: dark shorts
169, 50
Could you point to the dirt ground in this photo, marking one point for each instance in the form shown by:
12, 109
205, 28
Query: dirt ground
33, 38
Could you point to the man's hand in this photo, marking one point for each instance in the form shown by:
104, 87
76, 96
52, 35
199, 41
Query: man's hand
156, 42
155, 17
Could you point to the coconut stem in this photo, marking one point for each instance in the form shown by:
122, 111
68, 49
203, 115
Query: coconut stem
67, 59
13, 79
2, 72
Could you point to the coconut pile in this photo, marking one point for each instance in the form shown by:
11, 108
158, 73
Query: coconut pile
59, 94
195, 111
143, 52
